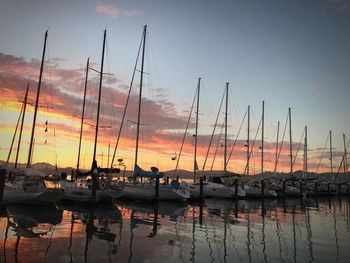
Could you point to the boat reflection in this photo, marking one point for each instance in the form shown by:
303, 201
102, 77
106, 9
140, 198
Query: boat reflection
99, 224
28, 222
215, 230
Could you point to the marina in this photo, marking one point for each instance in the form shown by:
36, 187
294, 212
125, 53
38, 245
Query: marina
159, 131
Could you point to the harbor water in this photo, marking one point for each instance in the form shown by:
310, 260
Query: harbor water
216, 230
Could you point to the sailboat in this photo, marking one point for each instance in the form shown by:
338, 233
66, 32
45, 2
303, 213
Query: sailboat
287, 186
83, 190
31, 187
252, 187
151, 189
213, 186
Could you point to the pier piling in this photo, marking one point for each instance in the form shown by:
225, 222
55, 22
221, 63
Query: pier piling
316, 188
2, 187
262, 188
284, 188
157, 187
201, 187
301, 187
236, 188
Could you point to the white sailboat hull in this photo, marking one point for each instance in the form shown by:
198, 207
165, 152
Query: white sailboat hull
215, 190
85, 195
73, 192
32, 198
148, 192
250, 192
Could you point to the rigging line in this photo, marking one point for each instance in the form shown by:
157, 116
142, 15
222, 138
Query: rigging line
217, 146
279, 152
324, 148
341, 163
296, 154
252, 147
184, 137
126, 103
234, 143
14, 135
212, 135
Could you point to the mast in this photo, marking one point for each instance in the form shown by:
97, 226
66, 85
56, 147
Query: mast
22, 121
345, 155
290, 141
248, 146
225, 152
99, 96
195, 166
305, 152
140, 94
14, 135
31, 146
330, 150
82, 114
262, 138
31, 157
276, 154
213, 133
126, 104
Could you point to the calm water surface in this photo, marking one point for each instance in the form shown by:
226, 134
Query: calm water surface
217, 231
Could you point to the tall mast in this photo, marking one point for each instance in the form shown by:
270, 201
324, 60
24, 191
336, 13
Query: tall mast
14, 136
305, 152
82, 114
330, 150
345, 155
248, 146
225, 152
22, 121
99, 95
126, 104
140, 94
290, 141
195, 166
31, 146
276, 154
262, 138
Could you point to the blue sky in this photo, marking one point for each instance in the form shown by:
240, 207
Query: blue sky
288, 53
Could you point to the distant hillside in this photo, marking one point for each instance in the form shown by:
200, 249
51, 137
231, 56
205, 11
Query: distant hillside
50, 169
43, 167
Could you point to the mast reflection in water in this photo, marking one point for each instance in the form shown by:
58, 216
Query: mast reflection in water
216, 230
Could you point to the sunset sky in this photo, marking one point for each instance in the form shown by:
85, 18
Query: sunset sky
289, 53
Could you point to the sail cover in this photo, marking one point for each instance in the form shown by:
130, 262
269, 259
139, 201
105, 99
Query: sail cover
150, 174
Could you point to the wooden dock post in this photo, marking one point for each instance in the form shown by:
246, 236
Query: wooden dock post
236, 187
157, 188
316, 188
284, 187
262, 188
201, 187
329, 188
2, 187
167, 180
301, 187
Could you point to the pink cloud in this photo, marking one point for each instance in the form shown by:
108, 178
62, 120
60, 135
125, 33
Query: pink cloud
115, 12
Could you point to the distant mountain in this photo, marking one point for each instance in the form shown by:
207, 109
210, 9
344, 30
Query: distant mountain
184, 174
43, 167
